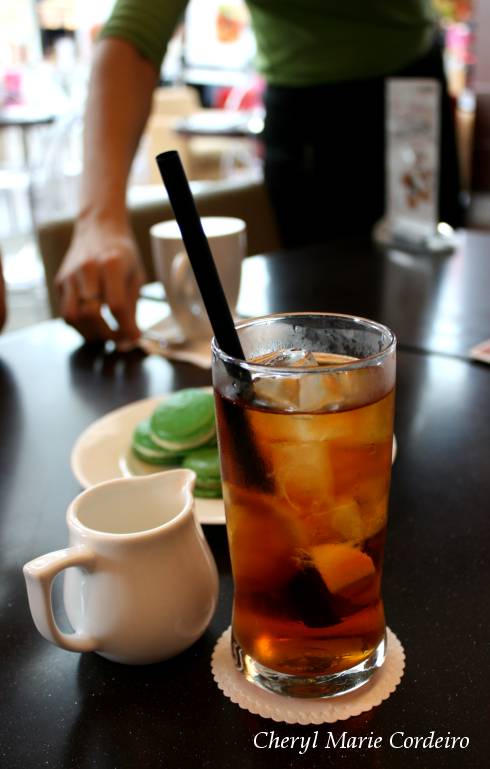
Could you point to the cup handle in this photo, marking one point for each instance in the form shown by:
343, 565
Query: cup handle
181, 278
39, 575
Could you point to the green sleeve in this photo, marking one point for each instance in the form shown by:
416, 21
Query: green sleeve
147, 24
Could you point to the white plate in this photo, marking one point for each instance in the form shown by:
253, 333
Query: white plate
103, 452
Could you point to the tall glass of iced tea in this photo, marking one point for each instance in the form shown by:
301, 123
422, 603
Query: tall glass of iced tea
305, 429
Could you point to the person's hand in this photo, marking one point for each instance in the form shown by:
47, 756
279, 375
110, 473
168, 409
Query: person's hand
102, 266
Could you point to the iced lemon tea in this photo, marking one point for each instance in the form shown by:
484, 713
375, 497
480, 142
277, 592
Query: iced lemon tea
306, 442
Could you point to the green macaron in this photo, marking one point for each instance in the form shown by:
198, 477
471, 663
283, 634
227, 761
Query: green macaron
205, 463
185, 420
146, 449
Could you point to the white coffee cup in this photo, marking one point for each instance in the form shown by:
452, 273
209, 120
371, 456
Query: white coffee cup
145, 586
227, 238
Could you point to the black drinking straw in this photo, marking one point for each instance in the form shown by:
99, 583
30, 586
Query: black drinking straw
213, 296
199, 253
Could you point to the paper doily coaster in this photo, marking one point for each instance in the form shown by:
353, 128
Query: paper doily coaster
305, 711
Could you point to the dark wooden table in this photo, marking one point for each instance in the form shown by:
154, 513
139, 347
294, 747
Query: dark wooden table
221, 123
433, 303
69, 711
25, 118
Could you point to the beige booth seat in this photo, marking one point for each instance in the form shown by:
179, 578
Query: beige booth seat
245, 199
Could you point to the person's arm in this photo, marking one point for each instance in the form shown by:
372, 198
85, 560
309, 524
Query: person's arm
102, 263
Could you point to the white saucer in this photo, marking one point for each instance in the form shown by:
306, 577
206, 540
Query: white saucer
103, 452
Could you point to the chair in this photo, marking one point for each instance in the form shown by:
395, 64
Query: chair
169, 104
245, 199
203, 157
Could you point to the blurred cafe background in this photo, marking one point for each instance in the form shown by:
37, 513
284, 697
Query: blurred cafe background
208, 106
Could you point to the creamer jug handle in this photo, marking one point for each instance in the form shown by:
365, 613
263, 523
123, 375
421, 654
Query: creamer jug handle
39, 575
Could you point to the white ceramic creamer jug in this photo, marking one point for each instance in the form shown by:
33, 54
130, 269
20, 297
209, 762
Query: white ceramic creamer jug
145, 586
